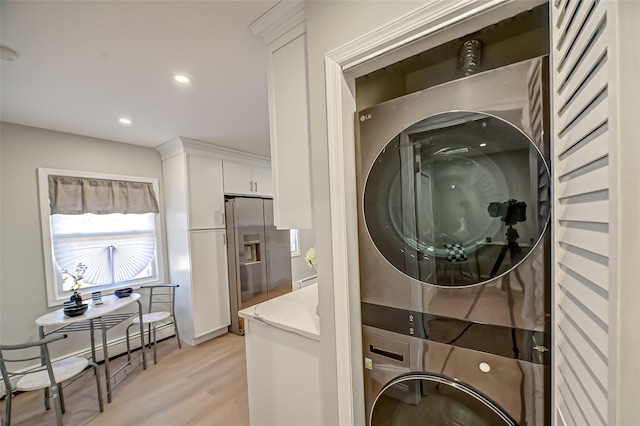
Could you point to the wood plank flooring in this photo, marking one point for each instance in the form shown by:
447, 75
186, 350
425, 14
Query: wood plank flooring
195, 385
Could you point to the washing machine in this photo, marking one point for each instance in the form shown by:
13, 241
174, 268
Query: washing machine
453, 189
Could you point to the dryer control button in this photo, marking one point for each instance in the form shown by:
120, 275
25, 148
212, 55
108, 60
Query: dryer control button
484, 367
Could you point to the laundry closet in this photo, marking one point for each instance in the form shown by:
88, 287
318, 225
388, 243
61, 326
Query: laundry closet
454, 206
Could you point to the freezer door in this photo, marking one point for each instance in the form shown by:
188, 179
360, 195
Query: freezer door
250, 241
278, 258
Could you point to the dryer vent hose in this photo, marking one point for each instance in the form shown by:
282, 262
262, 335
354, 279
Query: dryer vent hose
470, 56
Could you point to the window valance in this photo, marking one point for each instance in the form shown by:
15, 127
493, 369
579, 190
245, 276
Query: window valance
78, 195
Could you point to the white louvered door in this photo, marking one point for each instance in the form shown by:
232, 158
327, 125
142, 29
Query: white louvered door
584, 212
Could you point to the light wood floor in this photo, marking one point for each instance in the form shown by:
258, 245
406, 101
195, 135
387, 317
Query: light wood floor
195, 385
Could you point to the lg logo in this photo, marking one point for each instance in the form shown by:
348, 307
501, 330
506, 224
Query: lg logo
365, 117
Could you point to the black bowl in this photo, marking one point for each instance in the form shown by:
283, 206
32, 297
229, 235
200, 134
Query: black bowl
75, 310
123, 292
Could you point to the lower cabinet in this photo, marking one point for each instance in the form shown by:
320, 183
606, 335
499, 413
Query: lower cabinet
198, 262
210, 285
283, 376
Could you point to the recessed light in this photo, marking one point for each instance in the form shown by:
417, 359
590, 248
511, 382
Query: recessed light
125, 121
181, 79
483, 144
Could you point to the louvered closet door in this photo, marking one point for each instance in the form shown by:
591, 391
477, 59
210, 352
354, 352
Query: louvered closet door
582, 140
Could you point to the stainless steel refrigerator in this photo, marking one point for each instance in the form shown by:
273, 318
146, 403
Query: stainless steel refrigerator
259, 256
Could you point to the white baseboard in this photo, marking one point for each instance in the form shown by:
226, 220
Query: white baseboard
209, 336
119, 346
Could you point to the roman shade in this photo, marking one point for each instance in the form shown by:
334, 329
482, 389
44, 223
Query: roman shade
77, 195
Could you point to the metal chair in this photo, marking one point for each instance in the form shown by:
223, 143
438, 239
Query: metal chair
160, 294
45, 375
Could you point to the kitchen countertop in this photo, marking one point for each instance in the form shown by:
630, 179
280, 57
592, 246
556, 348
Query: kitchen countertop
294, 312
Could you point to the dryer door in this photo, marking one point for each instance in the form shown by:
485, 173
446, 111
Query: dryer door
443, 402
448, 197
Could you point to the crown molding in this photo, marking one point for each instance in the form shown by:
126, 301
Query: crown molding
278, 20
180, 144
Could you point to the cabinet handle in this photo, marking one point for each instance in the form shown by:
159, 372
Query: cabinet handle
255, 185
250, 186
223, 219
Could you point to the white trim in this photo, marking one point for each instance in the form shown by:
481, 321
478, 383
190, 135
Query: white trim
180, 144
54, 297
427, 26
279, 20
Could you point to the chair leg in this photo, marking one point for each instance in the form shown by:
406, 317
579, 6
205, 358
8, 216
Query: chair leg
128, 344
155, 346
57, 403
175, 325
47, 406
61, 395
7, 412
96, 372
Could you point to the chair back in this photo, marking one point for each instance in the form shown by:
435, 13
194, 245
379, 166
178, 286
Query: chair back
26, 358
162, 297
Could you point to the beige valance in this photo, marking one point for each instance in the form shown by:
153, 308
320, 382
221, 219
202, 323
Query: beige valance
77, 195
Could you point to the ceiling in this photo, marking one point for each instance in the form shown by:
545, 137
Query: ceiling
83, 65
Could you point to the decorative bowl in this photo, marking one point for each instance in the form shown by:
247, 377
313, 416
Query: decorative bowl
123, 292
75, 310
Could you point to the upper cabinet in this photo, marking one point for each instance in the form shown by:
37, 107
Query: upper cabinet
283, 28
252, 179
206, 198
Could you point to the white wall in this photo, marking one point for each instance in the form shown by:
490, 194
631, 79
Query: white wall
22, 275
330, 24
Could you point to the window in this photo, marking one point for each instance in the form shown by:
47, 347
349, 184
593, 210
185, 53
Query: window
294, 243
118, 249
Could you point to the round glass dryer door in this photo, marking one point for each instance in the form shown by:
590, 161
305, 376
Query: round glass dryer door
457, 199
429, 399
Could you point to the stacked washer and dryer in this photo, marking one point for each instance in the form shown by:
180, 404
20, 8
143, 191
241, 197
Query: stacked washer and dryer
454, 205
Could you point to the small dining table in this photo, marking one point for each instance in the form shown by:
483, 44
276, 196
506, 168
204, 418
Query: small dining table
105, 315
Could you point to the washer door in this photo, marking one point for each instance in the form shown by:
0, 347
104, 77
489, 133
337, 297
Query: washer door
434, 400
453, 190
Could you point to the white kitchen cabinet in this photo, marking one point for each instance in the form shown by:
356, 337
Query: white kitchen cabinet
193, 181
242, 178
283, 28
282, 338
210, 281
206, 194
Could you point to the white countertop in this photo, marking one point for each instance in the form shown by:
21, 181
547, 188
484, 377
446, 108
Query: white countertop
295, 312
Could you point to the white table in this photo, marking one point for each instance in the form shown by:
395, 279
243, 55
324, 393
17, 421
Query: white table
107, 317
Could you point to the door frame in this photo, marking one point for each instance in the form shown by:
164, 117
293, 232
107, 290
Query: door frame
430, 25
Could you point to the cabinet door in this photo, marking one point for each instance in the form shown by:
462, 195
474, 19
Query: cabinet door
238, 178
290, 135
209, 281
262, 181
206, 194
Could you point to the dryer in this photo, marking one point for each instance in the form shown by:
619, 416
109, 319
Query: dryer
453, 208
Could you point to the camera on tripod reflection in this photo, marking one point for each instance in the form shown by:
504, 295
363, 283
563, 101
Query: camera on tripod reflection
510, 212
